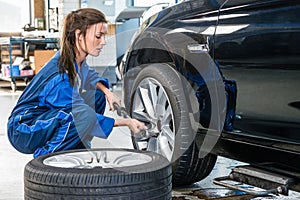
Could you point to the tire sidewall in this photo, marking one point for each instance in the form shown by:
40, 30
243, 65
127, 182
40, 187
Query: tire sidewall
150, 180
180, 104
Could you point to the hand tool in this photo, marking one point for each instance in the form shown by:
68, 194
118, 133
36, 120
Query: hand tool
144, 134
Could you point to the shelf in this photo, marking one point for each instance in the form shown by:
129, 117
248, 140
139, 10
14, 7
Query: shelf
10, 52
11, 47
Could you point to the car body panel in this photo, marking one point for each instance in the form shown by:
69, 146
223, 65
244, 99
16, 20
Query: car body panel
263, 57
251, 44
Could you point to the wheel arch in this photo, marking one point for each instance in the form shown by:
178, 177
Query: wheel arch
149, 50
171, 47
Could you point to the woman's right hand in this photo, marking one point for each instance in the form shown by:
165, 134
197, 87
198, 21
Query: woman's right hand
134, 125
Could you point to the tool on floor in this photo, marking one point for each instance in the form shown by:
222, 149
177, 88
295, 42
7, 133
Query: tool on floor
144, 134
271, 182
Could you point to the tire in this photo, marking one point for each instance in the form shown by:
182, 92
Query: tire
98, 174
175, 132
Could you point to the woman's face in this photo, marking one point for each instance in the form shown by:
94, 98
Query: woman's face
95, 39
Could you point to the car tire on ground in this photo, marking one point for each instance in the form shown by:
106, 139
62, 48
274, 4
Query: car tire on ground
98, 174
160, 96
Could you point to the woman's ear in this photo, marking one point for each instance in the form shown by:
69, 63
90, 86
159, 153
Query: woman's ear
78, 34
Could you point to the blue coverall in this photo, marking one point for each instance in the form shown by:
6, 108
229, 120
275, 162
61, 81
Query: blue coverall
51, 115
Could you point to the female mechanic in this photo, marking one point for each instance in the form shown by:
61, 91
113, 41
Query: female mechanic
62, 108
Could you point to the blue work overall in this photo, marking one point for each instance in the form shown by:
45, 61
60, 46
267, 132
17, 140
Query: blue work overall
51, 115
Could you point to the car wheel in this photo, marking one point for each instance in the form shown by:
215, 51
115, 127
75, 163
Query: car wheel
98, 174
161, 100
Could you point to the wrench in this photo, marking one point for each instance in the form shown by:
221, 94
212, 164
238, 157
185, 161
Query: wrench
144, 134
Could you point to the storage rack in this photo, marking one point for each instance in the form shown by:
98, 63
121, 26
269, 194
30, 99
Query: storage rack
24, 42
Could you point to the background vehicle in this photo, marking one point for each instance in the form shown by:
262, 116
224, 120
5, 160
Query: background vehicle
218, 78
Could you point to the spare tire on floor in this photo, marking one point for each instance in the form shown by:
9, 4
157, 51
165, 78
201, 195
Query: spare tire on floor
98, 174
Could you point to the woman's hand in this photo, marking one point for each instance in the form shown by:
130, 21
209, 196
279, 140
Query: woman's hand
110, 96
134, 125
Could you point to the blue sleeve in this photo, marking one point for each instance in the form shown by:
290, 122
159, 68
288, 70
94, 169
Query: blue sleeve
92, 77
58, 93
104, 126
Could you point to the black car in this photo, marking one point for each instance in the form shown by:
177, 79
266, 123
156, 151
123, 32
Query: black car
218, 77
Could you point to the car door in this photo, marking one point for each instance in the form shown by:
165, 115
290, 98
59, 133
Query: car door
257, 45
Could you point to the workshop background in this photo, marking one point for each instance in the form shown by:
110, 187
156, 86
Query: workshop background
29, 35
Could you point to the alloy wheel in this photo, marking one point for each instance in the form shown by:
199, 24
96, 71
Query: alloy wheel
152, 106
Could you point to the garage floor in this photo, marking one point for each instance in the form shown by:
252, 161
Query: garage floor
12, 162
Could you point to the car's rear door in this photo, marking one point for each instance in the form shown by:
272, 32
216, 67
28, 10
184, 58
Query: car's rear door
257, 44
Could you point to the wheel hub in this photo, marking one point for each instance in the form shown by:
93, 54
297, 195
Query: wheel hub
151, 103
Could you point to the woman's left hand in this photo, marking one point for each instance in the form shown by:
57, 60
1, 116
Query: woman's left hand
110, 96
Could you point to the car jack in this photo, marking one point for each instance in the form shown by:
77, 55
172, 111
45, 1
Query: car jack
270, 182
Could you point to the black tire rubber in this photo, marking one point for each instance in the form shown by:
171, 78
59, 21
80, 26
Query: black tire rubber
152, 180
189, 167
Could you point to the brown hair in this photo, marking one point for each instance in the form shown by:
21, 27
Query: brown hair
80, 19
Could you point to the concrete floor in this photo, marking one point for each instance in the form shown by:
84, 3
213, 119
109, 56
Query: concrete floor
12, 162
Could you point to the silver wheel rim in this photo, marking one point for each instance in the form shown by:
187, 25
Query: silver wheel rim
91, 159
151, 104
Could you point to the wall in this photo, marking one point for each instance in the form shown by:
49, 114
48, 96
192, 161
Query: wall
65, 7
39, 8
39, 14
14, 15
110, 10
